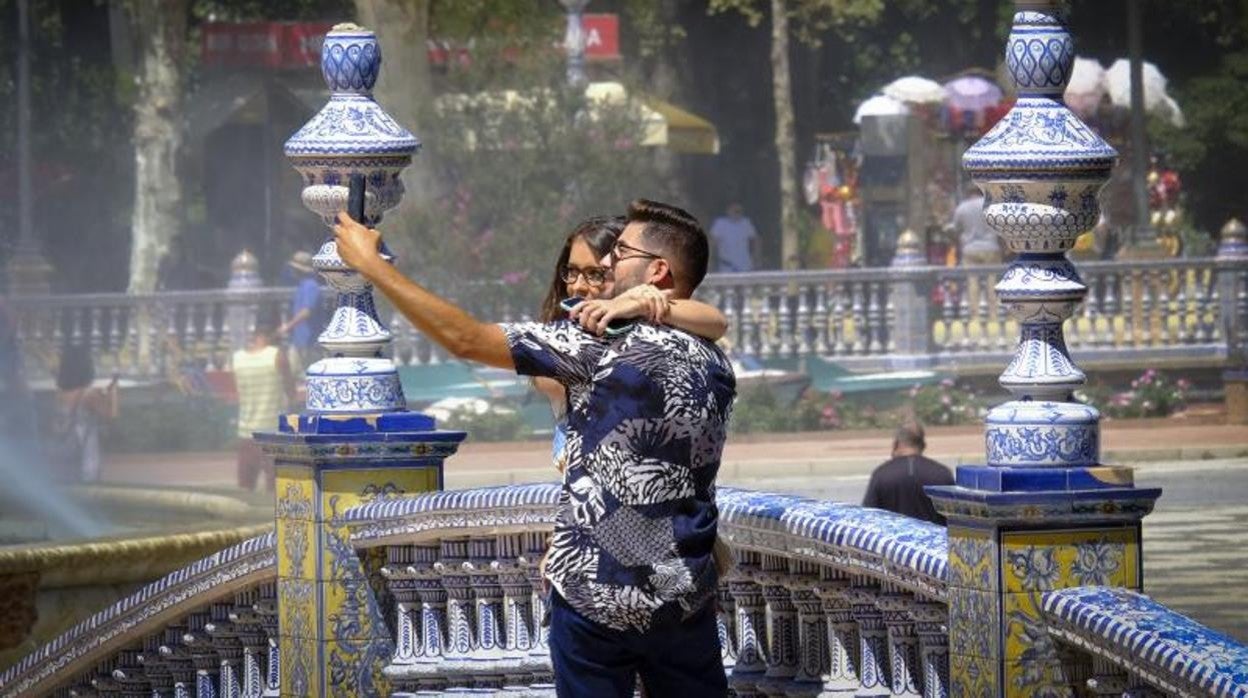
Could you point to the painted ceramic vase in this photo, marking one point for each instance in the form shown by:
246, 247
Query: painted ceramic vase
1041, 170
351, 134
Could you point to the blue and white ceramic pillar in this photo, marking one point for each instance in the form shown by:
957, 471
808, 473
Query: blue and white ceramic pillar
1043, 513
355, 441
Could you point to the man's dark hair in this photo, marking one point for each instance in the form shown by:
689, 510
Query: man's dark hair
268, 319
675, 234
76, 370
910, 434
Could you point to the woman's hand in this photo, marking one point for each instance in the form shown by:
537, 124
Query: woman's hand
646, 302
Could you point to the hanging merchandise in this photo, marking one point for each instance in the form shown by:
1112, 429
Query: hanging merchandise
830, 182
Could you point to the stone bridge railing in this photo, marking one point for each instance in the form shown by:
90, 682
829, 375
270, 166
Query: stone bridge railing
825, 599
1191, 311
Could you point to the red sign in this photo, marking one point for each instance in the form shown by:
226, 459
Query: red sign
298, 44
602, 36
263, 44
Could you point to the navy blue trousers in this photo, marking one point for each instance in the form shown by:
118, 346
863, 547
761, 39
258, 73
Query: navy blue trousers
678, 660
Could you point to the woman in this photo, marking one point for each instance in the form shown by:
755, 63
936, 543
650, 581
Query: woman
73, 439
265, 387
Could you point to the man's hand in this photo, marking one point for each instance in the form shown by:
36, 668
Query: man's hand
646, 302
358, 246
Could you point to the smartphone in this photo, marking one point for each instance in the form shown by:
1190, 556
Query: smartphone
355, 198
615, 328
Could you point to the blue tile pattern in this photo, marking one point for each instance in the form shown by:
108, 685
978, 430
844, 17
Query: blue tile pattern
880, 543
1138, 634
216, 577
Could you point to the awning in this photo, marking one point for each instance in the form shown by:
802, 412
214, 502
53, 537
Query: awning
664, 125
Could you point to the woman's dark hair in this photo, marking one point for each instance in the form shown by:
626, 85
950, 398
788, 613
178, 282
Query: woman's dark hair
77, 369
600, 233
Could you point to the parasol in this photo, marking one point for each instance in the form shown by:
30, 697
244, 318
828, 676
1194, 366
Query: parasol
915, 90
972, 93
1118, 85
880, 105
1086, 87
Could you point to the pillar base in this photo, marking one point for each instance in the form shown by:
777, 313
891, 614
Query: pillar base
329, 619
1015, 533
1235, 383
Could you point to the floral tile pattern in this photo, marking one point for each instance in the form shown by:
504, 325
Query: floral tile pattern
973, 677
974, 622
972, 558
1052, 560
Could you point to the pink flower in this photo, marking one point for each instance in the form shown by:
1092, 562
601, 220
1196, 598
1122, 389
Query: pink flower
1183, 384
944, 400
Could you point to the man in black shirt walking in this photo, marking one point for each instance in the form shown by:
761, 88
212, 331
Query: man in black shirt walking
897, 484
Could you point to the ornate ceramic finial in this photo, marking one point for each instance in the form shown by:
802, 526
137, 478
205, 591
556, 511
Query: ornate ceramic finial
244, 270
1041, 170
909, 250
1233, 240
351, 134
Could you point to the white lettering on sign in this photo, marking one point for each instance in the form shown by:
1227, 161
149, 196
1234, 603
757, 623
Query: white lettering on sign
593, 38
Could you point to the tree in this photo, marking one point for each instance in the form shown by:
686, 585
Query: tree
782, 96
404, 86
160, 26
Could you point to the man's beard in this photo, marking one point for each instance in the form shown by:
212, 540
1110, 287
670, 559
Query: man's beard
628, 282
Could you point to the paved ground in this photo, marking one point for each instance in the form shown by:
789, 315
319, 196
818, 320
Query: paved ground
1195, 558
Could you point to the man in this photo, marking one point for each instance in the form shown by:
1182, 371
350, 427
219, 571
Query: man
736, 241
306, 320
977, 241
977, 245
631, 560
897, 484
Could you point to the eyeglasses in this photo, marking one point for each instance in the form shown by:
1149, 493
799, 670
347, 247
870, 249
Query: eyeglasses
594, 276
617, 256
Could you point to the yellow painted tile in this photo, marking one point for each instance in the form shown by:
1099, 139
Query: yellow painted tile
296, 608
296, 493
972, 677
357, 668
1025, 633
360, 619
298, 669
1059, 559
1028, 679
973, 559
296, 548
974, 619
343, 489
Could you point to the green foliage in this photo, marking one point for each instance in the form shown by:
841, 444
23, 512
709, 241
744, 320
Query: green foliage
492, 425
757, 410
1152, 394
945, 403
520, 160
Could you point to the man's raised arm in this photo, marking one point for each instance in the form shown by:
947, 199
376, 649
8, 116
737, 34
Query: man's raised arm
448, 325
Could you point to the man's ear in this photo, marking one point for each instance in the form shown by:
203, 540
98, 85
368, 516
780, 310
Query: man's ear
661, 274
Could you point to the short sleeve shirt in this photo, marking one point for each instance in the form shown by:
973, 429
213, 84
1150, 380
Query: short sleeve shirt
307, 295
647, 417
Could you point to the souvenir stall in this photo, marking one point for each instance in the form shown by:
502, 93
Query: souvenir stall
831, 183
1102, 99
